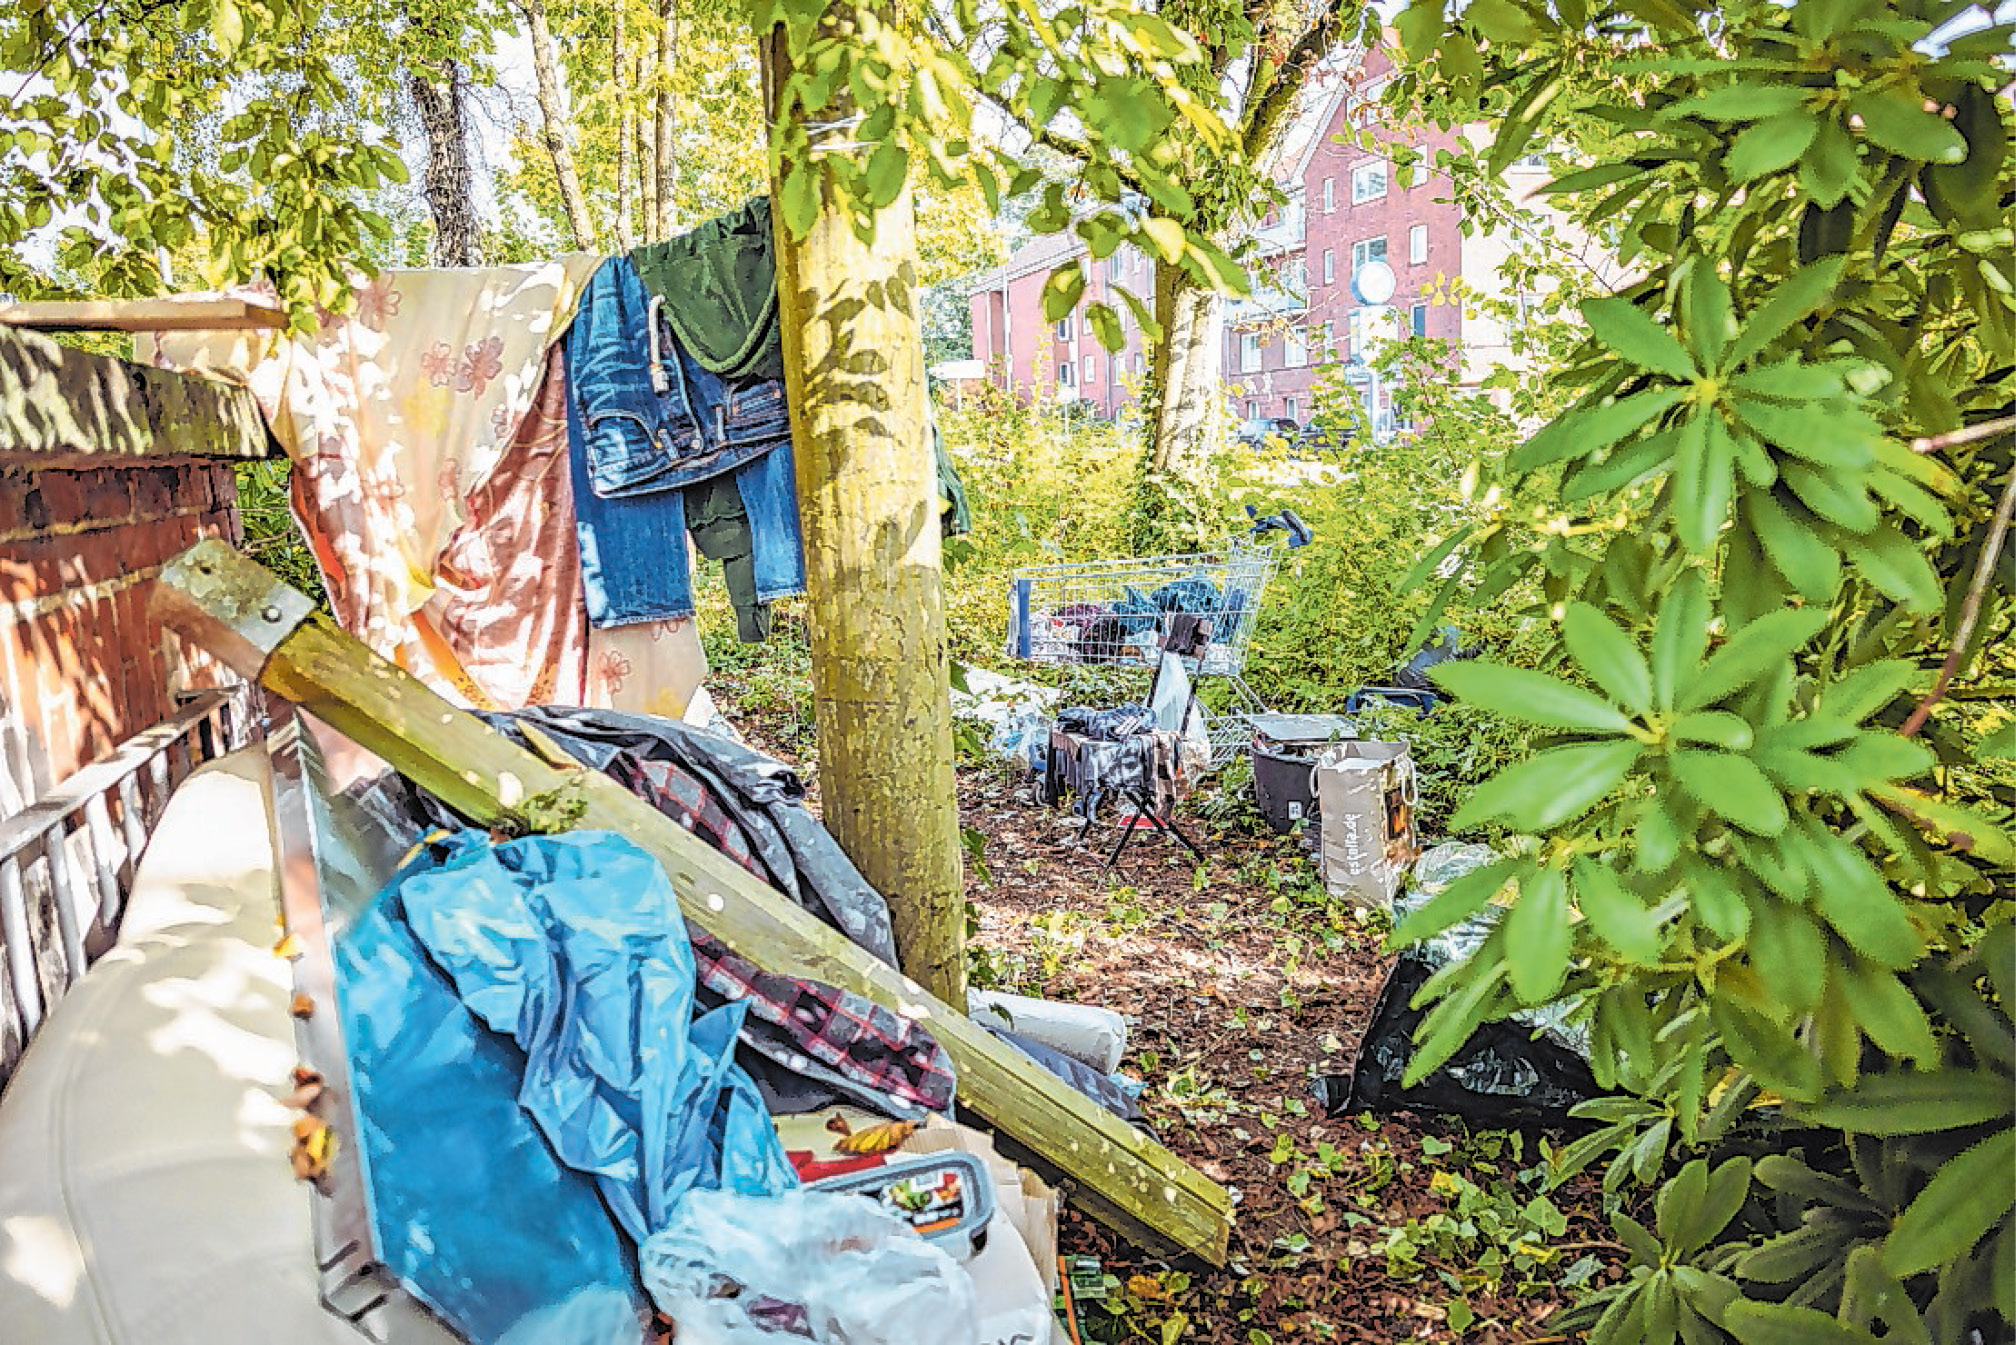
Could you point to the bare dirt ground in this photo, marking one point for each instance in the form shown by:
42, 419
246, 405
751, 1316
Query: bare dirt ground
1242, 982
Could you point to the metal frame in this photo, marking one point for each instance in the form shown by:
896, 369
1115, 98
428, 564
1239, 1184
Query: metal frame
66, 865
333, 856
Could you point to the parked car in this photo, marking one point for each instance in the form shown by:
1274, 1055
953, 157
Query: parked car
1254, 431
1320, 437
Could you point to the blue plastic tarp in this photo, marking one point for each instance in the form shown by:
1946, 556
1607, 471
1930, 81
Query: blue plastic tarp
520, 1023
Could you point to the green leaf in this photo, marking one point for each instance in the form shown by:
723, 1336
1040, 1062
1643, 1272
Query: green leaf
1842, 502
1756, 1323
1812, 567
1551, 788
1896, 119
1680, 636
1537, 937
1420, 27
1623, 921
1797, 296
1790, 950
1710, 316
1766, 1049
1627, 330
1717, 728
1584, 179
1896, 567
1782, 1172
1831, 164
1106, 326
1585, 429
1449, 1024
1165, 237
1062, 290
1853, 898
1965, 1199
1530, 697
1889, 1013
1732, 787
1913, 1103
1704, 480
1754, 652
1728, 1186
1611, 658
1740, 102
227, 25
1458, 901
1770, 145
798, 199
1680, 1202
1431, 562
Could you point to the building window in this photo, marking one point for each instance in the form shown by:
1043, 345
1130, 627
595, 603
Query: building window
1329, 267
1329, 194
1064, 329
1294, 349
1295, 276
1091, 370
1137, 362
1419, 314
1368, 182
1323, 339
1085, 322
1366, 251
1252, 410
1249, 353
1288, 407
1417, 176
1417, 244
1064, 373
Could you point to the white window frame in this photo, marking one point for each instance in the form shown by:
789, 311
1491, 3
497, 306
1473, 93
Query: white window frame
1329, 195
1417, 244
1294, 348
1361, 180
1091, 373
1361, 252
1063, 327
1066, 375
1417, 319
1329, 266
1252, 353
1288, 408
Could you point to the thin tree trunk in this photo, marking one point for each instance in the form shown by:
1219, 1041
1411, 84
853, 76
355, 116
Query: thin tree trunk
642, 133
448, 184
626, 118
662, 213
557, 123
1187, 398
868, 505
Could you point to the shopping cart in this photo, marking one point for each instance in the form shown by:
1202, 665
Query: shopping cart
1123, 612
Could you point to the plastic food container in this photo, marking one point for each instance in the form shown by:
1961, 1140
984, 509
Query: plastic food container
946, 1197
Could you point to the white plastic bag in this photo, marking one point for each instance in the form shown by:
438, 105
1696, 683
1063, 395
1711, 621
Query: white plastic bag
835, 1269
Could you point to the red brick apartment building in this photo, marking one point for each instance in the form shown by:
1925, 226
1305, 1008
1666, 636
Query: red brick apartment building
1345, 207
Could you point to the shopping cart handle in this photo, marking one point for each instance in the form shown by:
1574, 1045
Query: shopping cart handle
1288, 521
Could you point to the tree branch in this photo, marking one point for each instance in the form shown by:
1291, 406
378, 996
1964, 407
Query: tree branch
1970, 610
1264, 113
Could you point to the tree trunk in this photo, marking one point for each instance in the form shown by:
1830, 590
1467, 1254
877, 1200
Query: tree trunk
1187, 395
448, 183
643, 133
620, 69
557, 124
662, 215
868, 502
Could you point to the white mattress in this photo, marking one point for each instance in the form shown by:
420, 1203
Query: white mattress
145, 1193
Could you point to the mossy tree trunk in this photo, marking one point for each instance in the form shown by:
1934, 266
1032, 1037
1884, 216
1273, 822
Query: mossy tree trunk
868, 502
1187, 397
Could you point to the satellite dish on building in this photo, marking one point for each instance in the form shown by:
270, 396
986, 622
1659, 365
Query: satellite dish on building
1373, 283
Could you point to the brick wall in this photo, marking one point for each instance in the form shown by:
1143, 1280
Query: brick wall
82, 664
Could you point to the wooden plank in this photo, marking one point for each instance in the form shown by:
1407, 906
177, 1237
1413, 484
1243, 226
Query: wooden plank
61, 407
219, 599
172, 313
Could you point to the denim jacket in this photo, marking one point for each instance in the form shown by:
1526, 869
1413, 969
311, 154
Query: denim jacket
635, 448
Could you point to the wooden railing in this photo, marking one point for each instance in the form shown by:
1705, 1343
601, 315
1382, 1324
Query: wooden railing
67, 860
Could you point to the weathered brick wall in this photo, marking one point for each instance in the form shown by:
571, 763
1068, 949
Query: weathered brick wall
82, 664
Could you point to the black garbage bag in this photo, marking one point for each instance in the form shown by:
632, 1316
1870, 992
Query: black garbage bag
1506, 1076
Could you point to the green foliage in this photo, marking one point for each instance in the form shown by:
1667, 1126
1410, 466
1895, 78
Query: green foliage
236, 135
1751, 550
271, 536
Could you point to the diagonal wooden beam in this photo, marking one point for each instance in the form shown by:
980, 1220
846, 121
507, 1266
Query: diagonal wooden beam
218, 599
